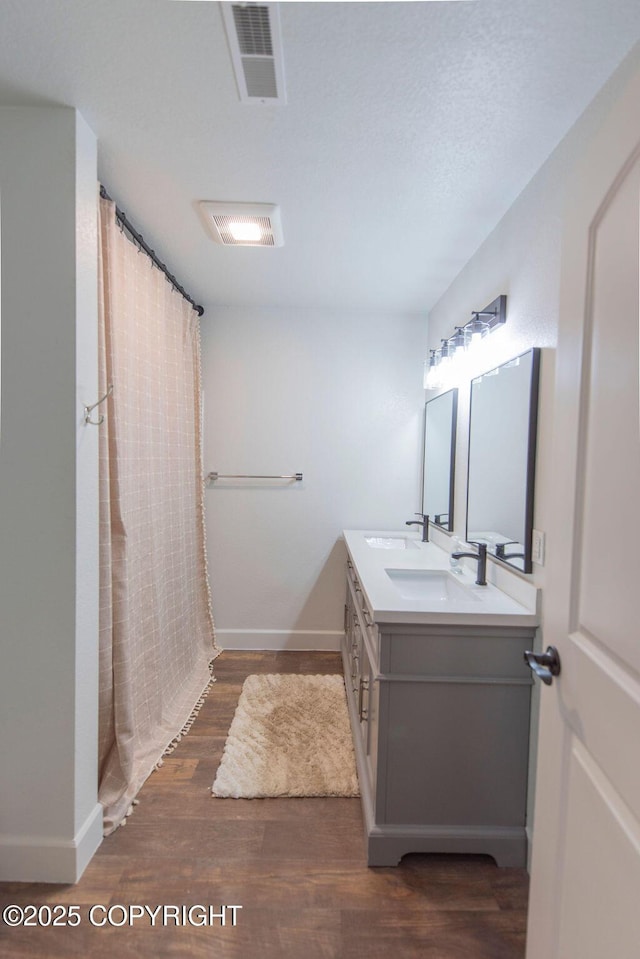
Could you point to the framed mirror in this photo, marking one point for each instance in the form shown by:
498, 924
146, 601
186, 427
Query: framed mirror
440, 416
502, 450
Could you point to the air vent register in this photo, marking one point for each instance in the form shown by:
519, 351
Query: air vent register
253, 34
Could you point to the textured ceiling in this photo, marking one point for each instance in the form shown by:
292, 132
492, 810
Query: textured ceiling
410, 128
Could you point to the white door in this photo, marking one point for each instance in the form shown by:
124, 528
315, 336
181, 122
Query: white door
585, 881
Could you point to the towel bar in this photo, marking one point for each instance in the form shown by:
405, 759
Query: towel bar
214, 476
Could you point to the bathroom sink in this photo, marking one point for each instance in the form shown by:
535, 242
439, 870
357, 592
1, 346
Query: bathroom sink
391, 542
430, 584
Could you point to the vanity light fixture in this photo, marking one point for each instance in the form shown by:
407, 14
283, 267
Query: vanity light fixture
442, 362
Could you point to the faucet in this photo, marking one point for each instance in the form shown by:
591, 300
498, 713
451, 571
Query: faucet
424, 522
500, 553
481, 556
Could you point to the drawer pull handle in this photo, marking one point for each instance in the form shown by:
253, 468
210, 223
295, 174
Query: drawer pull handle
364, 685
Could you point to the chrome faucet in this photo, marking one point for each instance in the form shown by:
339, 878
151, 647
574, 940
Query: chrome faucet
424, 522
481, 556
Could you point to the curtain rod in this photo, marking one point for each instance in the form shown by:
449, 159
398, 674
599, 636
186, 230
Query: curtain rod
121, 217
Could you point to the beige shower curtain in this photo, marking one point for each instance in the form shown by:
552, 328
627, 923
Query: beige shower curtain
156, 629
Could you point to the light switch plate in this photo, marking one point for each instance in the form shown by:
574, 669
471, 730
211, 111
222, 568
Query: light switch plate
537, 548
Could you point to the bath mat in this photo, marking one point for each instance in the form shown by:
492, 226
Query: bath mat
290, 736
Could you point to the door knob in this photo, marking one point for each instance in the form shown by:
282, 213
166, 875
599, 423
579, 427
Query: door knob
545, 665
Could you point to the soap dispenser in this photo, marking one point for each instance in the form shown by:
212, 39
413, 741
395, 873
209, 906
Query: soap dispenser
457, 546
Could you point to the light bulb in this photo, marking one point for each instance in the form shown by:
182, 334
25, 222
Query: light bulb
245, 232
458, 342
477, 329
432, 371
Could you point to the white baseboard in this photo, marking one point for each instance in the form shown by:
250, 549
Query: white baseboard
323, 640
50, 859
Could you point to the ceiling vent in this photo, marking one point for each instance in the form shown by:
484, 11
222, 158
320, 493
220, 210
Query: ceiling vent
253, 34
242, 224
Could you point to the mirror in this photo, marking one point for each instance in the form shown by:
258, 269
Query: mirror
440, 416
502, 447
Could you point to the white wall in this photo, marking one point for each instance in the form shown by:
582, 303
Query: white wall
337, 397
50, 821
521, 258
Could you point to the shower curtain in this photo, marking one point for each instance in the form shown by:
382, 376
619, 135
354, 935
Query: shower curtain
156, 629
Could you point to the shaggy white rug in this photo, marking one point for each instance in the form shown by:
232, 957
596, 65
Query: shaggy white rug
290, 736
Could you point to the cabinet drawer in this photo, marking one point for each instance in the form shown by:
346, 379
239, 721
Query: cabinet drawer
361, 610
476, 651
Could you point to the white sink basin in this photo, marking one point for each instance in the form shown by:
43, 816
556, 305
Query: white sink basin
390, 542
430, 584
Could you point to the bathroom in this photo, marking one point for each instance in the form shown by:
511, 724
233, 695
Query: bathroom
325, 379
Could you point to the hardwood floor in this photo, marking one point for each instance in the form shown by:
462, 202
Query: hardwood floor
296, 866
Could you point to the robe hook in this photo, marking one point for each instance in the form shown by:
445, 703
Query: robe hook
88, 409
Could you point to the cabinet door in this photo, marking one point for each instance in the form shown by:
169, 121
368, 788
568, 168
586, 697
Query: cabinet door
352, 641
368, 702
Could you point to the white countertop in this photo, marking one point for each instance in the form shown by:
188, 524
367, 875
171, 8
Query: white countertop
477, 605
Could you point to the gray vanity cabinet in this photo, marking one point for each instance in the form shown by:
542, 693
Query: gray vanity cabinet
440, 723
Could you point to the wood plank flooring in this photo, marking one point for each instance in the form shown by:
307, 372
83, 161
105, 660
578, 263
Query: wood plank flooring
296, 866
